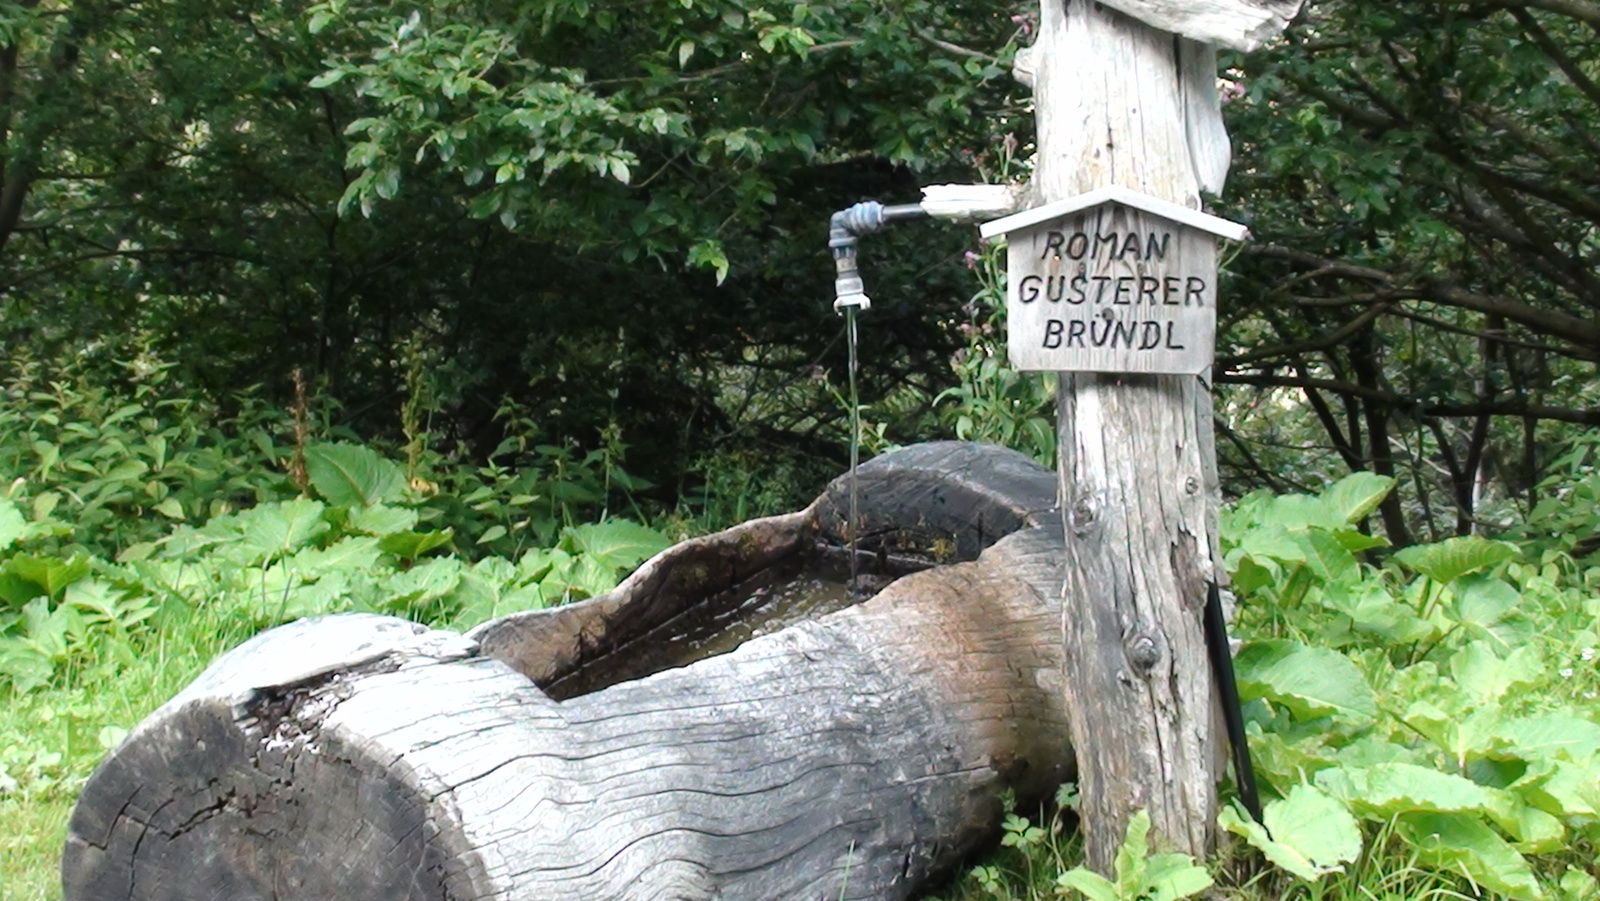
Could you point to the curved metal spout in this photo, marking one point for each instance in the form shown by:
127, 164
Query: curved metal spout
844, 229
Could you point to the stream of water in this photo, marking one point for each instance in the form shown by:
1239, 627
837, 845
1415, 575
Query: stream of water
855, 447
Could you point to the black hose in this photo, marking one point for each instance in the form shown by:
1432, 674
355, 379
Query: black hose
1244, 775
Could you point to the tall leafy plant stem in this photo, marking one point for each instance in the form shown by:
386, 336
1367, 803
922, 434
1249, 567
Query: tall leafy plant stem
297, 464
418, 402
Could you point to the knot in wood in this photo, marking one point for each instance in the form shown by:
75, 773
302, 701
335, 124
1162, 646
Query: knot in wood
1083, 517
1143, 652
1191, 485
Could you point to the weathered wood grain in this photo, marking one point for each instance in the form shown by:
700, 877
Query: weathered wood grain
1236, 24
956, 496
1111, 289
1112, 110
578, 647
1210, 151
359, 757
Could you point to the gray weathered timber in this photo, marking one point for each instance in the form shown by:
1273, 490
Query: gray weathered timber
576, 648
1077, 300
1111, 101
957, 495
1210, 151
361, 757
1236, 24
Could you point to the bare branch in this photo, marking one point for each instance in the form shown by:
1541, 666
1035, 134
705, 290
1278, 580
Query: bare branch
1506, 407
1583, 334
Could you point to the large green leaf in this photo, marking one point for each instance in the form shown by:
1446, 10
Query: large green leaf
1307, 833
1350, 499
1466, 730
1172, 877
420, 585
24, 664
1452, 558
51, 574
1561, 789
349, 475
381, 519
1087, 883
1297, 511
1327, 557
1483, 600
1373, 610
411, 545
1129, 861
1552, 735
1312, 682
1463, 843
272, 530
616, 543
1484, 677
1386, 789
11, 523
1535, 831
350, 554
51, 630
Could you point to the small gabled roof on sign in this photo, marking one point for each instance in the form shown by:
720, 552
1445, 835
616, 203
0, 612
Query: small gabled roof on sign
1166, 209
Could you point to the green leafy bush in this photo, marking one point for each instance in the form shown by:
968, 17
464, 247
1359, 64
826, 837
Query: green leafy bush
361, 544
93, 467
1444, 698
991, 401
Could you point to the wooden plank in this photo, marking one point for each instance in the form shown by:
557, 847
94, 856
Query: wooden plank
1236, 24
1210, 151
1119, 194
1111, 289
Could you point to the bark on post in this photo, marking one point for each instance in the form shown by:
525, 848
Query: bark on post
1123, 102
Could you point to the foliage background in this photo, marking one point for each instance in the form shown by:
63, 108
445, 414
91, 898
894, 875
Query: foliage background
539, 265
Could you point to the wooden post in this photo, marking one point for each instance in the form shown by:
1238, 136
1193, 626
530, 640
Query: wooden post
1123, 102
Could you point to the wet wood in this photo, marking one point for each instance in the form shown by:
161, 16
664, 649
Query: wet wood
358, 757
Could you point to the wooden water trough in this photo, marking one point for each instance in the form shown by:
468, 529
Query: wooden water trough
619, 748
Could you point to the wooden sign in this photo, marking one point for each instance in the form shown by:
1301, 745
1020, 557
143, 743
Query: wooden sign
1112, 281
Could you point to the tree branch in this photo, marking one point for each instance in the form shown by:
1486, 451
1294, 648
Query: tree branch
1582, 333
948, 47
1507, 407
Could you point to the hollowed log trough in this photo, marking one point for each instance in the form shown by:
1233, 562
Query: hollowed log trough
561, 754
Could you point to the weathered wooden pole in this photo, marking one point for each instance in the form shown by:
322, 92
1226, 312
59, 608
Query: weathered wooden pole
1126, 96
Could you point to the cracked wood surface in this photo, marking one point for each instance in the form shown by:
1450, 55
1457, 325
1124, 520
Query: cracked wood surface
1235, 24
1117, 106
361, 757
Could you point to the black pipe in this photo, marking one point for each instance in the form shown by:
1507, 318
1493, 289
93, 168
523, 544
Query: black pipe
1244, 774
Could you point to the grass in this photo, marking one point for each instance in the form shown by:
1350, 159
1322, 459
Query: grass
51, 739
